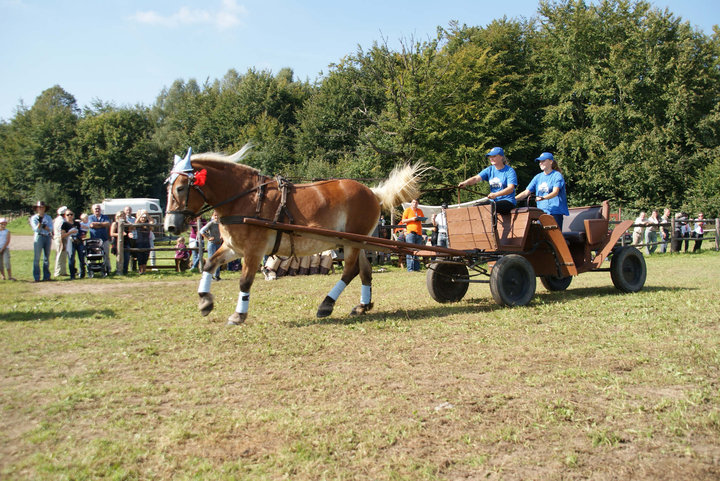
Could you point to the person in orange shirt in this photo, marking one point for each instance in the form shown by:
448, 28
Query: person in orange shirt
413, 219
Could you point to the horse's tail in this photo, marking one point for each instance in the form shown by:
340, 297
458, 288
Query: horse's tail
402, 185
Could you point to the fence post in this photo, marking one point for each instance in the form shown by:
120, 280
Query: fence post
717, 234
120, 247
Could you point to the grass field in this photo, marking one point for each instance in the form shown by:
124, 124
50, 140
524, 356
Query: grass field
122, 379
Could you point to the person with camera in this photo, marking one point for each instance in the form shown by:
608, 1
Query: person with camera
67, 230
42, 226
75, 244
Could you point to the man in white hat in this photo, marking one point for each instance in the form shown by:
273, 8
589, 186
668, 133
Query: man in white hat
61, 258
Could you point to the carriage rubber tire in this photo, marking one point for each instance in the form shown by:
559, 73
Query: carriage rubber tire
512, 281
440, 284
627, 269
555, 283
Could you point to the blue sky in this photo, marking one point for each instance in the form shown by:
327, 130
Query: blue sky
126, 51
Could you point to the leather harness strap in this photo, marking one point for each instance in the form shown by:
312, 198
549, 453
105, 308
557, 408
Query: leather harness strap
282, 210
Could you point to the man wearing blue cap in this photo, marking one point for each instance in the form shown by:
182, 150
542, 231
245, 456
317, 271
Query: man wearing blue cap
549, 189
502, 179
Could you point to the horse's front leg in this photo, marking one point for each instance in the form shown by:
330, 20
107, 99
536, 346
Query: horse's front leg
366, 287
221, 256
249, 269
350, 270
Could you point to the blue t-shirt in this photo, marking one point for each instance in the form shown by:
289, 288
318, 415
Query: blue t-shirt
102, 233
499, 179
542, 185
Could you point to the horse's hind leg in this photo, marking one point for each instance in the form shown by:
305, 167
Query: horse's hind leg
249, 269
366, 288
350, 270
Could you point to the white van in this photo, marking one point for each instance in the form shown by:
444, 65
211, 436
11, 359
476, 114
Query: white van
110, 207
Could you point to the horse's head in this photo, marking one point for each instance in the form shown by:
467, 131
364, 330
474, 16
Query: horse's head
187, 190
185, 199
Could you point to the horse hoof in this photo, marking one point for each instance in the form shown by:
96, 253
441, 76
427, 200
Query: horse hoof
236, 319
206, 304
361, 309
326, 308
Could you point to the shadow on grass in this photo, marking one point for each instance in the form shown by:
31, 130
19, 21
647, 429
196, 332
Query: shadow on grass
594, 292
472, 305
338, 317
41, 316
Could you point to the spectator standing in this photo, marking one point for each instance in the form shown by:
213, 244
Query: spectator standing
677, 233
59, 242
5, 250
664, 230
42, 226
75, 246
142, 239
196, 241
639, 229
413, 218
130, 219
502, 179
651, 232
698, 231
67, 230
440, 222
685, 232
211, 232
100, 229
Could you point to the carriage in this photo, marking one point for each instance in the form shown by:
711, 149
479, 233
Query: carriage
509, 251
261, 215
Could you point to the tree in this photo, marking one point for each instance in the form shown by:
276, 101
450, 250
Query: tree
115, 156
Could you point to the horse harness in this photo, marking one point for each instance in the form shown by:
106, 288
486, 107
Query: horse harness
282, 211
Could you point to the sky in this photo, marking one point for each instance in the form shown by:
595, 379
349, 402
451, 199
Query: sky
126, 51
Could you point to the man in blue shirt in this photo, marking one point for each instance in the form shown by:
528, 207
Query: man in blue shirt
100, 229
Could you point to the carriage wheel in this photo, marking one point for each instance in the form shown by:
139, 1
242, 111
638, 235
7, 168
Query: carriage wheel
512, 281
555, 283
441, 281
627, 269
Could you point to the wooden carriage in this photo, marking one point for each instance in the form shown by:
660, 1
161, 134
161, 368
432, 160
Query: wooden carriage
509, 251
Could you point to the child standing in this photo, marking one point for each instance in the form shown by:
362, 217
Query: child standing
5, 250
181, 255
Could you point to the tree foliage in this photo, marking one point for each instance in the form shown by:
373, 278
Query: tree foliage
625, 95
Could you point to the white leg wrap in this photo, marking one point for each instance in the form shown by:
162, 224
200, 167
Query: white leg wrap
337, 290
243, 303
365, 294
205, 281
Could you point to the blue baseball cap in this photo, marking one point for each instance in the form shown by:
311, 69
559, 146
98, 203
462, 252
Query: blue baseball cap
545, 156
495, 151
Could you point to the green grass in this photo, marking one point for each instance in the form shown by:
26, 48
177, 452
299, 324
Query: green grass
120, 378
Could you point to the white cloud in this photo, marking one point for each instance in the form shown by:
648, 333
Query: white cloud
228, 15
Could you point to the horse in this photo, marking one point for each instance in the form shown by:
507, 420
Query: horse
211, 181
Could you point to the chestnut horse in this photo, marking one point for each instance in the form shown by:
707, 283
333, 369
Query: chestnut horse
210, 181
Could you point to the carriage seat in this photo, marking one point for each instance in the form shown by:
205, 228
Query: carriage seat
574, 230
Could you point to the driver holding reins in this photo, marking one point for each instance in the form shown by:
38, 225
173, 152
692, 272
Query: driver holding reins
502, 179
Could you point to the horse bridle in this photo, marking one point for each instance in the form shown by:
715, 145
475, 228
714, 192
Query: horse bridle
207, 206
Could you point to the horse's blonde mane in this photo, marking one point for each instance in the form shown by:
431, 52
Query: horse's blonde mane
231, 159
